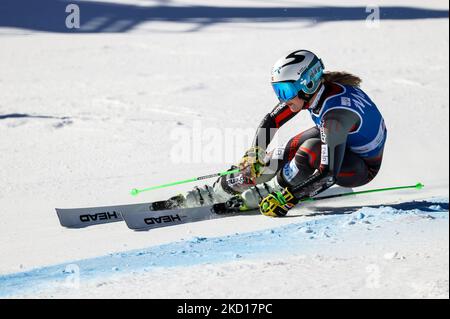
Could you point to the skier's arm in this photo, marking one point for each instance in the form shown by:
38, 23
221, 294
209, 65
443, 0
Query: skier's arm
253, 161
270, 125
337, 124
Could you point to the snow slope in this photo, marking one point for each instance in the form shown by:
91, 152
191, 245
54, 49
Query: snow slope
86, 117
242, 264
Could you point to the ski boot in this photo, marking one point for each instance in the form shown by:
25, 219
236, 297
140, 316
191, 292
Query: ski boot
199, 196
233, 205
248, 200
174, 202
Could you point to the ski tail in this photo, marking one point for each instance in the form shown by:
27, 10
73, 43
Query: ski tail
90, 216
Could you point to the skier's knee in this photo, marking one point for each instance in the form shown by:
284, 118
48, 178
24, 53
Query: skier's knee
308, 155
353, 173
306, 160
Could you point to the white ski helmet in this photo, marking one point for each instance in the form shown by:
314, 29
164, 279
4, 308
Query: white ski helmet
297, 74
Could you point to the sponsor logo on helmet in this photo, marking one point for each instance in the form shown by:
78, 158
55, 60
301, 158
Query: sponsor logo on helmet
302, 69
277, 70
296, 58
315, 70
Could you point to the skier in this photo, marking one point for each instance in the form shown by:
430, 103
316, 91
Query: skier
345, 147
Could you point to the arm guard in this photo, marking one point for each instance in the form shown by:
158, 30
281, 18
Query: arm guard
270, 125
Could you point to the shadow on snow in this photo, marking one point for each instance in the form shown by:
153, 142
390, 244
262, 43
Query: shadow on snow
24, 115
50, 15
424, 206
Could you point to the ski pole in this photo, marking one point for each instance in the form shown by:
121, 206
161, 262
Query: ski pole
313, 199
136, 191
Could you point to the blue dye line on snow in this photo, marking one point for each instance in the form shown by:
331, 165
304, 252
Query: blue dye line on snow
298, 237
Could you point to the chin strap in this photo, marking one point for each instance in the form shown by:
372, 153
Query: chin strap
307, 97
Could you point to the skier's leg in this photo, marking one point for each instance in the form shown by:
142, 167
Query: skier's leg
276, 159
280, 158
374, 164
356, 171
234, 184
303, 165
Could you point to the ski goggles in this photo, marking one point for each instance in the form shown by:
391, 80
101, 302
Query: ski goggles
286, 91
307, 84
